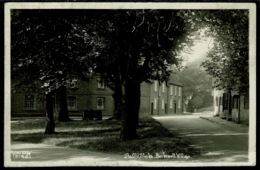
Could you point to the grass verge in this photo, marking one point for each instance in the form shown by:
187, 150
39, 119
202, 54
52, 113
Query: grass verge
103, 136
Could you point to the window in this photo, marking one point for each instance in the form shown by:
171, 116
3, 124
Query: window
100, 103
171, 89
175, 91
163, 104
29, 102
101, 83
246, 101
171, 102
235, 101
155, 86
155, 104
220, 101
72, 103
179, 103
73, 81
179, 91
163, 87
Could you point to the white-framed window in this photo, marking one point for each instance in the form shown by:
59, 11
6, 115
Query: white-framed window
171, 91
175, 90
179, 91
101, 83
100, 103
171, 103
72, 103
163, 87
155, 85
29, 102
73, 81
163, 104
155, 104
179, 103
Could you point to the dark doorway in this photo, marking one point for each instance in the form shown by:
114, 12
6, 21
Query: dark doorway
152, 108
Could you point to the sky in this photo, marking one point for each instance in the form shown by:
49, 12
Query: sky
197, 51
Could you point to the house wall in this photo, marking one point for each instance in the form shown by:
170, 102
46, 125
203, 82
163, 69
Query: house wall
158, 98
244, 110
144, 110
218, 103
86, 93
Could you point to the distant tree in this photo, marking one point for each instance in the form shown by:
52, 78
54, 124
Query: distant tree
197, 84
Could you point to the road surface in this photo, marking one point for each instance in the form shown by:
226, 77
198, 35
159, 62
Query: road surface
217, 142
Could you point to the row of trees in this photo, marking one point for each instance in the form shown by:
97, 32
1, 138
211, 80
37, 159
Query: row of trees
127, 47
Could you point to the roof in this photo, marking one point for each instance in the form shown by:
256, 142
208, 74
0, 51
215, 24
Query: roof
175, 79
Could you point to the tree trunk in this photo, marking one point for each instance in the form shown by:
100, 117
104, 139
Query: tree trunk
130, 114
117, 98
63, 115
50, 127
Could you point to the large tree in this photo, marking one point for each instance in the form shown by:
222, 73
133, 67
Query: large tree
228, 59
47, 45
144, 44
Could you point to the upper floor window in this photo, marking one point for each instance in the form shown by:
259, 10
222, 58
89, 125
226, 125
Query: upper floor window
29, 102
155, 85
101, 83
171, 91
179, 91
72, 103
175, 90
100, 103
163, 87
73, 81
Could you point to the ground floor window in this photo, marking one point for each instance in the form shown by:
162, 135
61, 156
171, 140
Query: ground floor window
155, 104
29, 102
163, 104
72, 103
100, 103
179, 103
171, 102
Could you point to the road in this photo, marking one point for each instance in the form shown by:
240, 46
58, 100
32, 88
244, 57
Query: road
217, 142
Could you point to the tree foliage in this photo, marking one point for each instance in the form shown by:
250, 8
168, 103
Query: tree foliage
228, 59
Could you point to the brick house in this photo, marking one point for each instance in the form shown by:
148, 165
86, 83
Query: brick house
85, 94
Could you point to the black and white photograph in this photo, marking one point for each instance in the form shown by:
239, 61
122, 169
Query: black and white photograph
129, 84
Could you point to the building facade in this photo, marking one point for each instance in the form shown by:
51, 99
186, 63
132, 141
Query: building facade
231, 105
92, 94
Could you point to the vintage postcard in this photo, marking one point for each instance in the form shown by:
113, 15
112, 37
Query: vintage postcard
129, 84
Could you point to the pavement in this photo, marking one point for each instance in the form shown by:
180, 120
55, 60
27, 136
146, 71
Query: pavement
220, 144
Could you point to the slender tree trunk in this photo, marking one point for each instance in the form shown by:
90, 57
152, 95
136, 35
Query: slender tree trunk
130, 112
50, 127
63, 114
